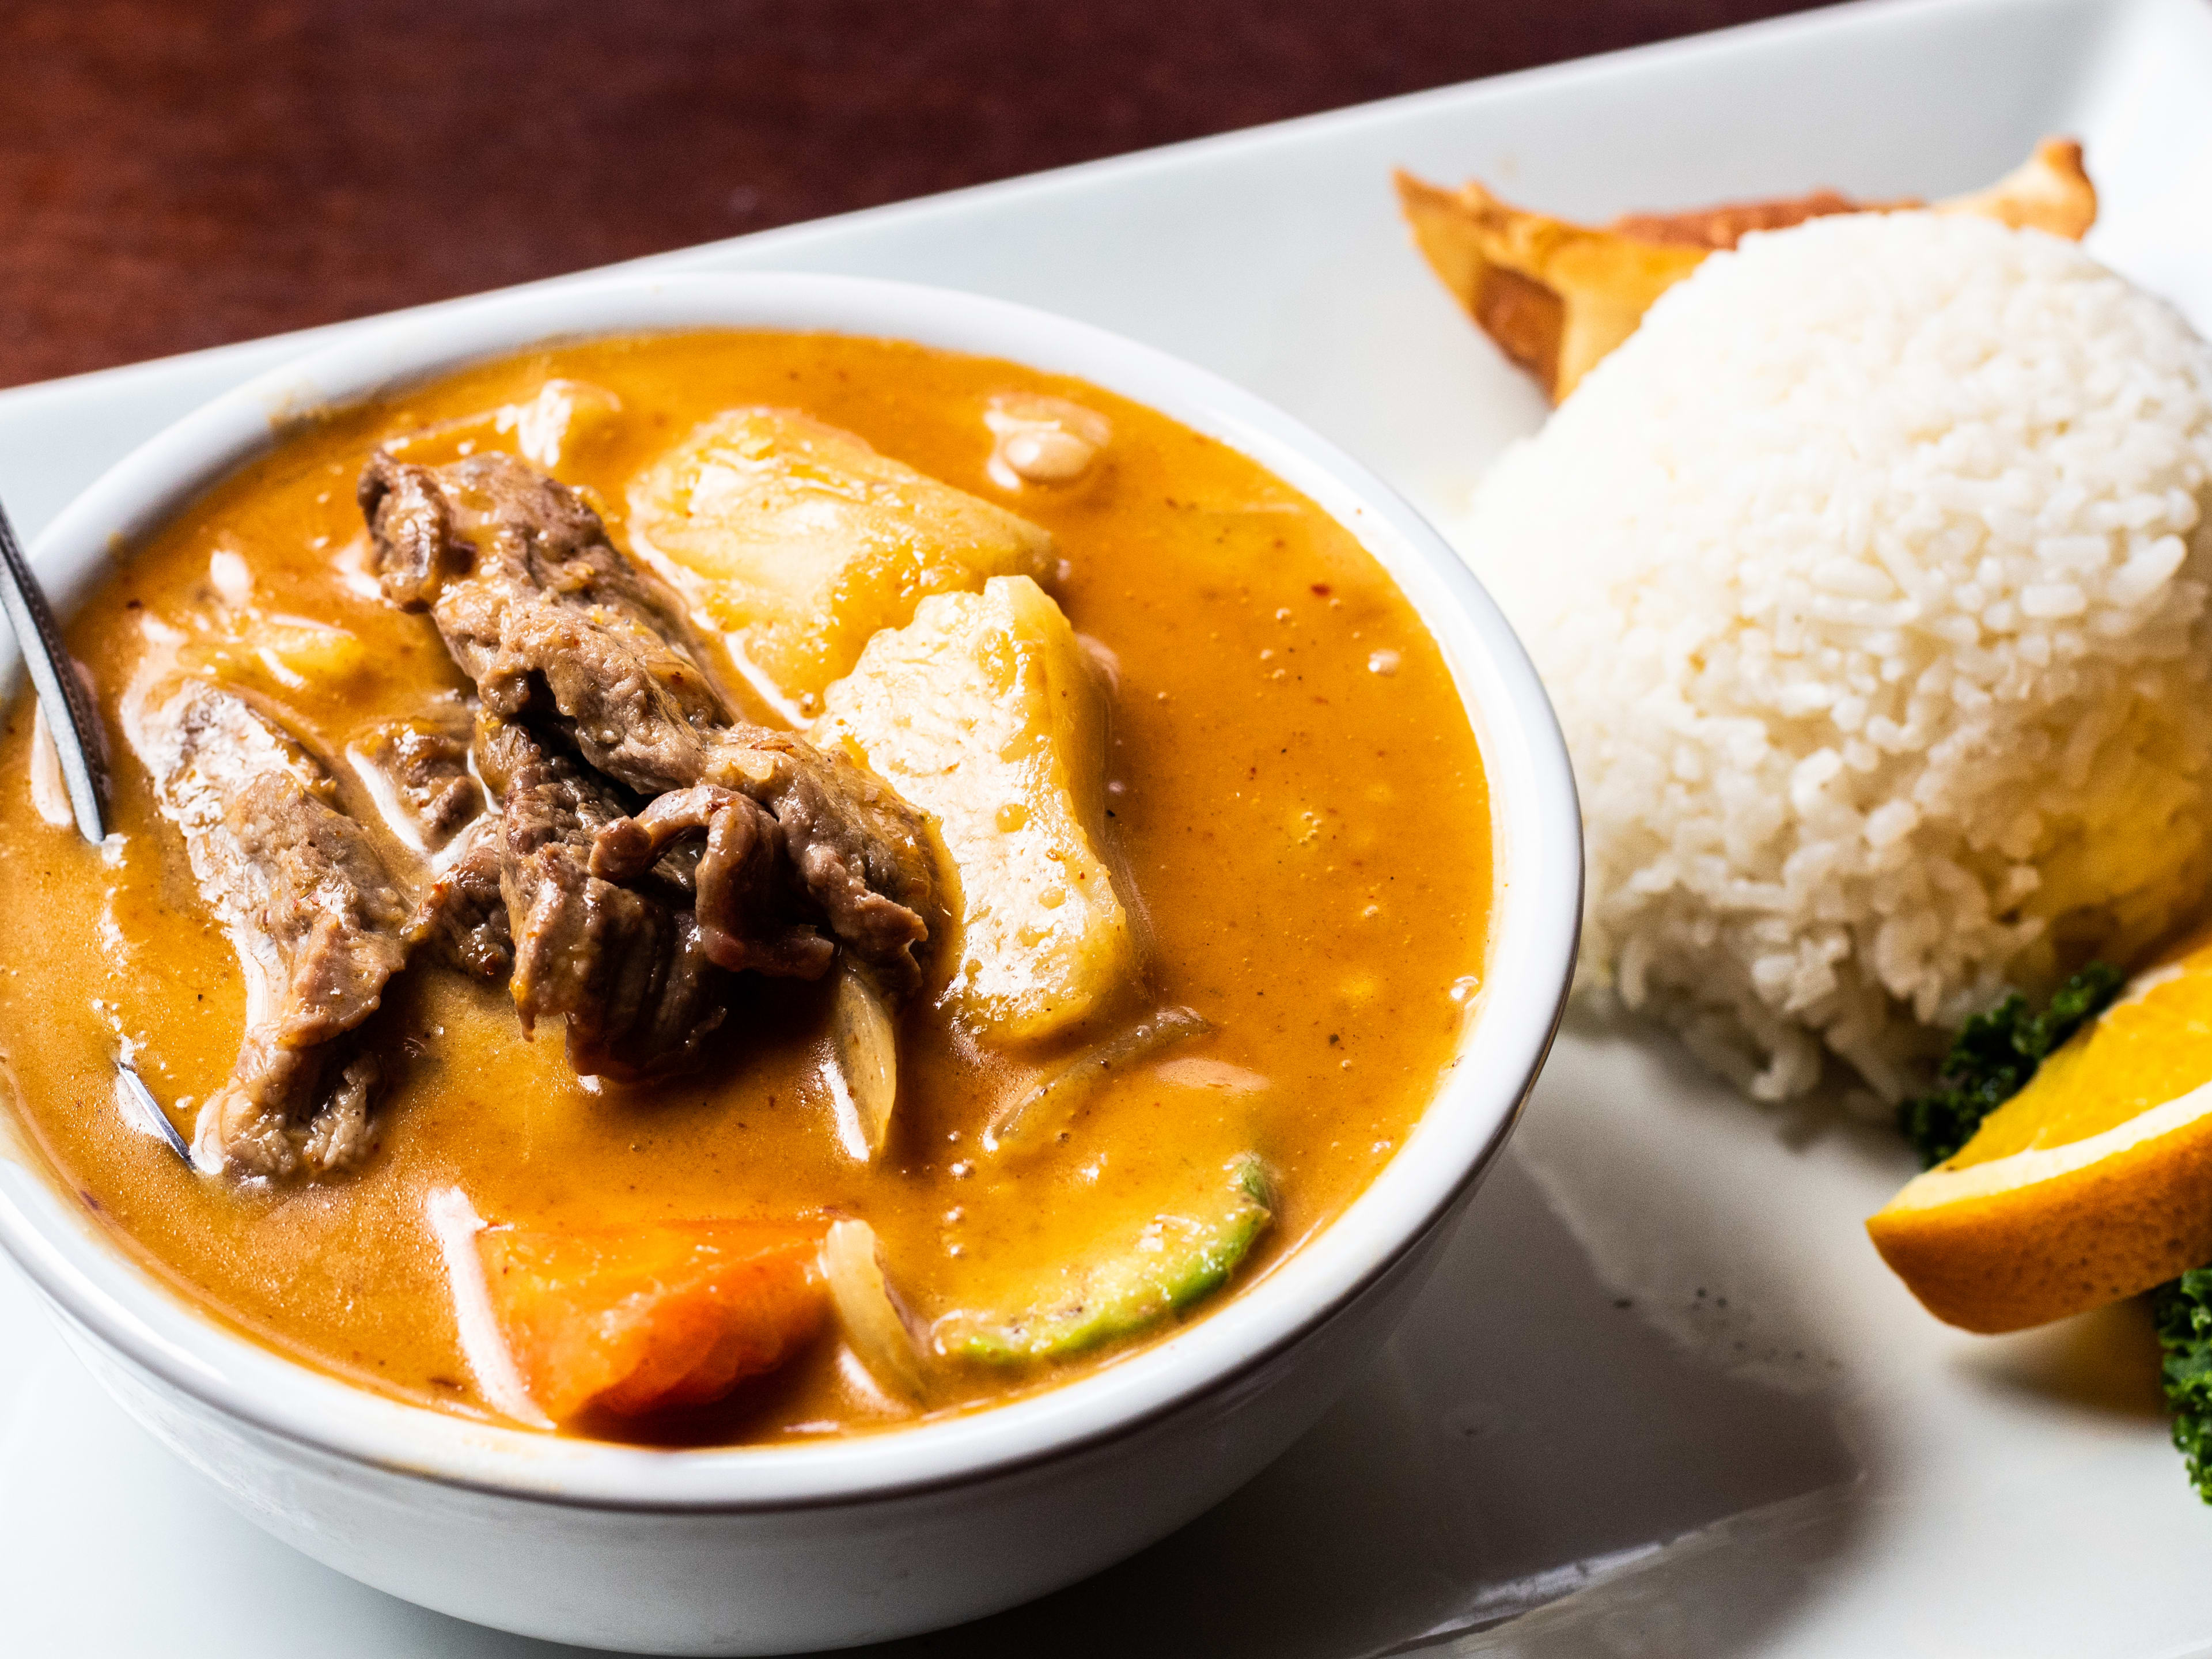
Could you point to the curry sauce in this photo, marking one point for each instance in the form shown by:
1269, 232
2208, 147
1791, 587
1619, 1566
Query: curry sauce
1295, 812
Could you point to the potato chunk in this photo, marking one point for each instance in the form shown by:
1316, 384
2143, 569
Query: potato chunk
802, 541
987, 714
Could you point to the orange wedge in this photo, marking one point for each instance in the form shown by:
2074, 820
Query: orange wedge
2093, 1183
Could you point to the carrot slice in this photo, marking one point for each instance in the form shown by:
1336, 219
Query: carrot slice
632, 1319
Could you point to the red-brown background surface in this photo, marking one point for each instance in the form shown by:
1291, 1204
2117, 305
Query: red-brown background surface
176, 173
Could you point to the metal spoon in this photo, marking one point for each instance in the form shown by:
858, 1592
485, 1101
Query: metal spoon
75, 724
143, 1112
71, 716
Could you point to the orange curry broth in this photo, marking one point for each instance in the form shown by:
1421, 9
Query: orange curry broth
1307, 838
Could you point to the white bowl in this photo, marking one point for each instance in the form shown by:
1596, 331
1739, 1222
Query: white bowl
775, 1549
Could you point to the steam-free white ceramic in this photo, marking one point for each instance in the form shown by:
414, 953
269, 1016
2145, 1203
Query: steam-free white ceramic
771, 1549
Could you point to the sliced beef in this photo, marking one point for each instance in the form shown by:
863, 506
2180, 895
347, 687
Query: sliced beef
856, 847
741, 892
418, 772
625, 966
463, 914
539, 608
314, 915
405, 506
557, 626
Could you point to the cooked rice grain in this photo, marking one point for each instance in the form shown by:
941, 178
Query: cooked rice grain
1869, 579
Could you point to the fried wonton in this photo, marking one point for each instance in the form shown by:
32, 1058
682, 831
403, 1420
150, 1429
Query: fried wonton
1556, 297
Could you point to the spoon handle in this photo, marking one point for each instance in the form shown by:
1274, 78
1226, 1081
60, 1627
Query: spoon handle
70, 715
143, 1112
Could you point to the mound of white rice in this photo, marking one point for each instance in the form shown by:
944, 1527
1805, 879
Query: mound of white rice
1869, 579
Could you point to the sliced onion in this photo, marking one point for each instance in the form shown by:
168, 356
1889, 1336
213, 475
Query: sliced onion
49, 794
864, 1048
876, 1327
1036, 1116
1193, 1073
455, 1223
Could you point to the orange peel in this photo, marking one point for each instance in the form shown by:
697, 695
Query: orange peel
2094, 1183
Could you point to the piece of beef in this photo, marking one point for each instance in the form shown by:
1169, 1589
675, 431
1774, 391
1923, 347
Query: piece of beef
539, 608
314, 915
626, 967
418, 773
855, 846
552, 621
739, 881
463, 913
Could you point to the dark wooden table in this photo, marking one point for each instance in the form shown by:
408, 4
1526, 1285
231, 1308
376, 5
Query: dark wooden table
176, 173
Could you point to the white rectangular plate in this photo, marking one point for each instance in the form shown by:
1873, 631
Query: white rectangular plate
1661, 1391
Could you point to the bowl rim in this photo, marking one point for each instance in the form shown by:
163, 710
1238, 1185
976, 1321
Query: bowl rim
98, 1284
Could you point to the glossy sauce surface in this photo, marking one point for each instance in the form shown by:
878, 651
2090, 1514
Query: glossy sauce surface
1297, 806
